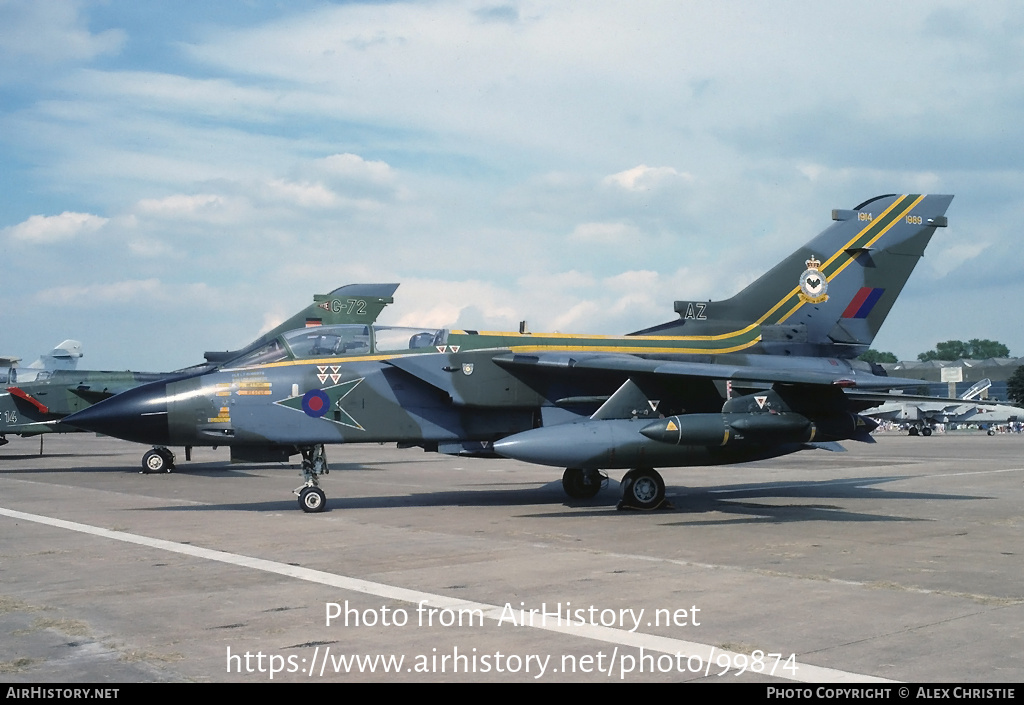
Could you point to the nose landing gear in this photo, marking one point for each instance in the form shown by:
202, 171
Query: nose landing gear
312, 499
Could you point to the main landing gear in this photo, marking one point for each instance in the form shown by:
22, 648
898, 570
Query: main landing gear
923, 430
581, 483
642, 488
314, 463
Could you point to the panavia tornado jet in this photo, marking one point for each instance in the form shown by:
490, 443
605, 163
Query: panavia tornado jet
922, 414
63, 357
756, 376
30, 408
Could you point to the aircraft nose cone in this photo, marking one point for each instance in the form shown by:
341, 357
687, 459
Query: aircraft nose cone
517, 448
539, 445
870, 424
138, 415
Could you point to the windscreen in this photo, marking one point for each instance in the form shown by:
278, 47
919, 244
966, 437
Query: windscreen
396, 339
329, 341
340, 341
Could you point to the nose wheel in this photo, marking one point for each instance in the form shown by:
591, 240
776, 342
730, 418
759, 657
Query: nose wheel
157, 460
312, 499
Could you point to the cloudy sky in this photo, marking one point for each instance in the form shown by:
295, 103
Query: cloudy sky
178, 177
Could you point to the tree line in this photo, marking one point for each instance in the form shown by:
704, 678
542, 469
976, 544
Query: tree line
974, 349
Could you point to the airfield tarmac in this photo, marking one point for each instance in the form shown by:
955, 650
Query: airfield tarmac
900, 560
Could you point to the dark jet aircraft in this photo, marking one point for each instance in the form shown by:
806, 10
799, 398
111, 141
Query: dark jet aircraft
664, 396
30, 408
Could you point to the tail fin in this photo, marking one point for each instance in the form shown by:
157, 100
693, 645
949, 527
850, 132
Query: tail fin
64, 356
352, 303
831, 296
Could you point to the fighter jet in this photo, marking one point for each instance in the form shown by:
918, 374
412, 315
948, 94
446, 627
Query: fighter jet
755, 376
64, 356
922, 414
30, 408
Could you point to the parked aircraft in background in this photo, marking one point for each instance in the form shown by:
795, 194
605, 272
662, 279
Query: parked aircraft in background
654, 398
922, 414
64, 356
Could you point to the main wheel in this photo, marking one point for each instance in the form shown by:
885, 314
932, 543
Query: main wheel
155, 461
643, 488
913, 431
312, 499
581, 484
926, 431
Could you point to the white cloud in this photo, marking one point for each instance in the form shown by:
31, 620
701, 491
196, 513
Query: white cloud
303, 194
813, 172
356, 181
272, 319
605, 233
143, 293
572, 280
151, 248
55, 228
946, 260
354, 167
181, 205
571, 320
129, 291
208, 208
567, 302
444, 314
646, 178
438, 303
627, 282
169, 94
52, 31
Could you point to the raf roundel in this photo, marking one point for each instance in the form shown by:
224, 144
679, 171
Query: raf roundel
315, 403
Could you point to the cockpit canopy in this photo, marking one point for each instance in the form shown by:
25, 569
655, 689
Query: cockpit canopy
341, 341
